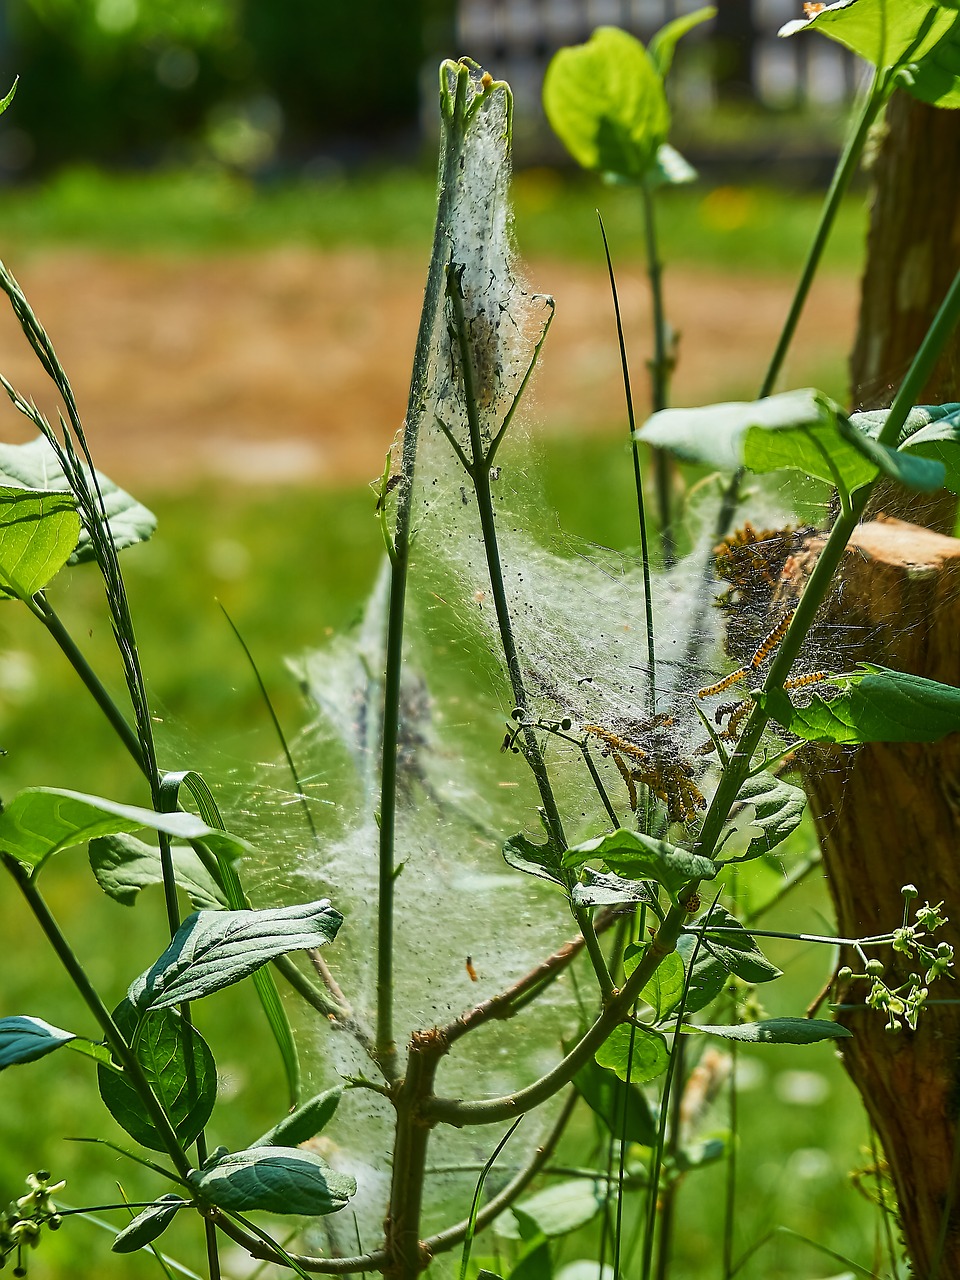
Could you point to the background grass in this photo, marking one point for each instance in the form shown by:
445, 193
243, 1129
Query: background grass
292, 568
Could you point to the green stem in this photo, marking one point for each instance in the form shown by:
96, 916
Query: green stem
118, 1045
454, 126
846, 167
659, 374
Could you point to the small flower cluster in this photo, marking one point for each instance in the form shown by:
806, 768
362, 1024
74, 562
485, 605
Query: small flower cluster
902, 1005
22, 1221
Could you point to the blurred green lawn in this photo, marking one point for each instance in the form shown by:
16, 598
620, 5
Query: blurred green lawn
292, 567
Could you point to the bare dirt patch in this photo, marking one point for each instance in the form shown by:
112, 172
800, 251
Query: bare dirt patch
291, 366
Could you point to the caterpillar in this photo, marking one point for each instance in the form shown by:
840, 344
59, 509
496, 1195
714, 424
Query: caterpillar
719, 687
772, 640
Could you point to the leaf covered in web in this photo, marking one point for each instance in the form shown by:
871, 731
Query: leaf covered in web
922, 36
874, 704
35, 465
123, 865
542, 860
636, 856
557, 1210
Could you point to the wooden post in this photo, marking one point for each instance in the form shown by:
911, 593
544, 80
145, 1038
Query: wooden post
889, 815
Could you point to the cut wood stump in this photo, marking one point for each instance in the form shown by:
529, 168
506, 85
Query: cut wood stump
889, 815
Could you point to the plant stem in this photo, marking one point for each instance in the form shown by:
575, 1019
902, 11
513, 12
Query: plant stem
659, 374
118, 1045
454, 131
846, 167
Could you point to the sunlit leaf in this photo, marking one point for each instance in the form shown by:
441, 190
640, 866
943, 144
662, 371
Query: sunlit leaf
38, 532
724, 937
634, 1053
874, 704
123, 865
776, 1031
665, 988
663, 43
542, 860
275, 1179
305, 1123
179, 1067
24, 1039
214, 949
606, 103
34, 465
636, 856
41, 821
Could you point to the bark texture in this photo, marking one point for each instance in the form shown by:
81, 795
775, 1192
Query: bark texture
888, 815
913, 253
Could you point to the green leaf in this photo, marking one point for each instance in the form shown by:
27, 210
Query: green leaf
777, 1031
560, 1209
5, 102
41, 821
601, 889
709, 976
305, 1123
541, 860
38, 532
123, 865
650, 1055
148, 1225
98, 1052
179, 1067
874, 704
535, 1263
24, 1039
35, 466
636, 856
606, 103
274, 1179
912, 471
898, 33
663, 43
930, 431
665, 989
778, 810
734, 947
609, 1097
214, 949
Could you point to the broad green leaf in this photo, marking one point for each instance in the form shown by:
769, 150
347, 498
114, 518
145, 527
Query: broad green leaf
148, 1225
305, 1123
665, 989
540, 860
911, 470
778, 809
606, 103
888, 33
649, 1057
608, 1096
734, 947
35, 466
98, 1052
663, 43
535, 1263
42, 821
179, 1067
817, 447
777, 1031
636, 856
274, 1179
873, 705
123, 865
214, 949
709, 976
560, 1209
24, 1039
38, 532
930, 431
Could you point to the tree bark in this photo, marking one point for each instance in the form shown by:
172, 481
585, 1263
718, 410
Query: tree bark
913, 253
888, 815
